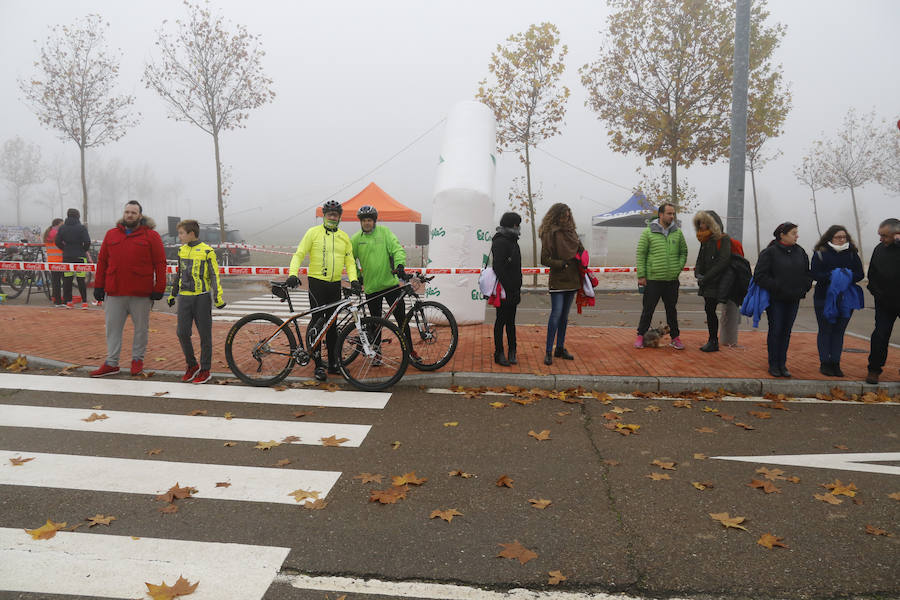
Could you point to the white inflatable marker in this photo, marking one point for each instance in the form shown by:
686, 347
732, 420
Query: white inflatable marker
130, 476
116, 566
181, 426
840, 462
462, 222
117, 386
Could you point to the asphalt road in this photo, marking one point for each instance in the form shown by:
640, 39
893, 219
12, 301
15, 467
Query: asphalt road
609, 528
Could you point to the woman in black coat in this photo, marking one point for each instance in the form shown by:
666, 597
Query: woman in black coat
507, 263
783, 271
835, 250
711, 270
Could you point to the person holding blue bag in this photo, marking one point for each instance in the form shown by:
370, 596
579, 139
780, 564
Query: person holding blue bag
836, 267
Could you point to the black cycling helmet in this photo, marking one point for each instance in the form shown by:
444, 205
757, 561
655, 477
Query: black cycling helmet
332, 206
367, 212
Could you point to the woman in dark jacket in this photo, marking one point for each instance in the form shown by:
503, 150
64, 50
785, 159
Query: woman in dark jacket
835, 250
712, 266
783, 271
507, 263
74, 240
559, 245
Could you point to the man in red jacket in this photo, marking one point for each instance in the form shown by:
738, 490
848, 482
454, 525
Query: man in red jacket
131, 273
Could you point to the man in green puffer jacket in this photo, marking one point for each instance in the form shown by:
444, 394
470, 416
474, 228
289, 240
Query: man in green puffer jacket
379, 253
661, 255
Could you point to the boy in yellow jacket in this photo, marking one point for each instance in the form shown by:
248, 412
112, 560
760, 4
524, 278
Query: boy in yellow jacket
197, 284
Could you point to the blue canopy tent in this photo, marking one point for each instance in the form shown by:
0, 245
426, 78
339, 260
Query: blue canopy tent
634, 213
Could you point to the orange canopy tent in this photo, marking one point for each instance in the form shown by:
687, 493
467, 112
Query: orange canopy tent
388, 208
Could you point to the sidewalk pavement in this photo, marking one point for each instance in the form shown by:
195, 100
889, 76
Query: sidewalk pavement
604, 356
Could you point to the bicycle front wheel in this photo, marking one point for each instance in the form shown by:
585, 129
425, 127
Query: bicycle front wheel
432, 335
386, 363
258, 352
16, 280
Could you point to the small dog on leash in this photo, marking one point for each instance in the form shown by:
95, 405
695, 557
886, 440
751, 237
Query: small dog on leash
653, 336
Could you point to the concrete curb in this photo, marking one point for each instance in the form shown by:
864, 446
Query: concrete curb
606, 383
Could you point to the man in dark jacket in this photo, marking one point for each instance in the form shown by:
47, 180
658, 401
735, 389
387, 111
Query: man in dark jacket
74, 240
884, 274
131, 273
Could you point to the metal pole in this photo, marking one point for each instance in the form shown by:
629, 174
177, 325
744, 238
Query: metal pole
735, 218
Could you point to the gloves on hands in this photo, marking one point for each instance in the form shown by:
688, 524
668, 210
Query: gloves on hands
156, 295
401, 272
292, 281
356, 287
99, 294
221, 306
170, 301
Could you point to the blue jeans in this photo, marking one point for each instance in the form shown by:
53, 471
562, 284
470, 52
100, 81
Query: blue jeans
560, 303
781, 319
830, 339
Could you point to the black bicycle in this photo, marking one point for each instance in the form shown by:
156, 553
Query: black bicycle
429, 327
261, 349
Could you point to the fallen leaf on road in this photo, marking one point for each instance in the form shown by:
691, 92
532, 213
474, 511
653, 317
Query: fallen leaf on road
727, 521
839, 489
302, 413
99, 520
266, 445
658, 476
18, 461
153, 452
505, 481
331, 440
282, 463
894, 496
160, 393
745, 426
290, 439
770, 541
446, 515
228, 416
555, 577
160, 359
759, 415
68, 370
682, 404
95, 417
18, 365
770, 474
98, 407
870, 529
408, 478
700, 456
395, 445
564, 413
197, 412
620, 411
841, 447
652, 408
542, 436
223, 484
451, 423
829, 498
388, 496
498, 405
168, 508
670, 466
45, 531
540, 503
165, 592
300, 495
317, 504
609, 416
766, 486
710, 409
517, 551
626, 428
460, 473
611, 462
702, 485
229, 444
369, 477
704, 430
177, 493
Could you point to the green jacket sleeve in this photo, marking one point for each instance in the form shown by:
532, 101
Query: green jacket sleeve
642, 252
215, 284
682, 251
395, 249
302, 250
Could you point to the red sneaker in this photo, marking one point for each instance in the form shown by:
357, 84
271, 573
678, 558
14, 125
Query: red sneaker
137, 366
190, 373
202, 376
104, 369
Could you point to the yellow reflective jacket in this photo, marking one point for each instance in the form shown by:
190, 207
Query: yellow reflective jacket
198, 272
330, 252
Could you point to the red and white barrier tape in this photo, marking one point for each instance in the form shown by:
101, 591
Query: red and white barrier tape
91, 267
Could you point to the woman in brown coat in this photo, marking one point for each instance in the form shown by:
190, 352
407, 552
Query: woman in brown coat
559, 245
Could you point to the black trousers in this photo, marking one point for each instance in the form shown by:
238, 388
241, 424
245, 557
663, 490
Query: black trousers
56, 285
505, 319
322, 293
653, 292
391, 294
781, 320
885, 315
712, 317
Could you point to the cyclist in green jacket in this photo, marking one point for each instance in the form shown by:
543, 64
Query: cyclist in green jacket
379, 254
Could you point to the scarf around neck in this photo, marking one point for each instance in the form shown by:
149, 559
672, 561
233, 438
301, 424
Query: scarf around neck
840, 248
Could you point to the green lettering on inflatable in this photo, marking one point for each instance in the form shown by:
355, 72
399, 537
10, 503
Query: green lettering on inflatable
438, 232
477, 295
432, 291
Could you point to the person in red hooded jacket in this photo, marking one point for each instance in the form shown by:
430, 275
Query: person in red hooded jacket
131, 274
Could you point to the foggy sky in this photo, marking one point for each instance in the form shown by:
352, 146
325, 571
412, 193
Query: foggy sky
357, 81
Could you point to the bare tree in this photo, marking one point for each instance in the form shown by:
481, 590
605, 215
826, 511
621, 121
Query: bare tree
889, 173
210, 76
61, 174
853, 158
811, 172
527, 99
20, 165
72, 90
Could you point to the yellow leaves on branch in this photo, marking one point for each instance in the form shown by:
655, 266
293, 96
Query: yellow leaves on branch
728, 521
517, 551
45, 531
182, 587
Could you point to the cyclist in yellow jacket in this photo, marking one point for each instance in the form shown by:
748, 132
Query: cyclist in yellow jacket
330, 252
197, 283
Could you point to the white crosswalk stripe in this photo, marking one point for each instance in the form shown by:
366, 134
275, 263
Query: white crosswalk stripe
116, 566
268, 303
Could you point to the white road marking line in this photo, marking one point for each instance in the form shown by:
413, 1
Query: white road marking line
432, 591
113, 566
182, 426
615, 396
218, 393
841, 462
131, 476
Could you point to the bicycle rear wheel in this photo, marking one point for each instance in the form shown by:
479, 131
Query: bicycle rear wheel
385, 366
432, 335
16, 280
253, 357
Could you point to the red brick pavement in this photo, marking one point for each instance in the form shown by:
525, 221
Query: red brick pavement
77, 336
